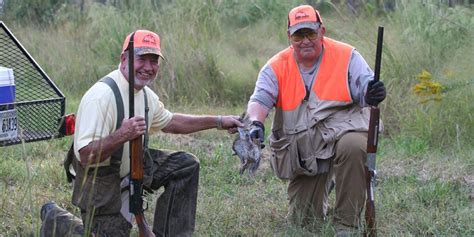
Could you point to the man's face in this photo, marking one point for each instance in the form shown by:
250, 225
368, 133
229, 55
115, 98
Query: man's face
146, 69
307, 43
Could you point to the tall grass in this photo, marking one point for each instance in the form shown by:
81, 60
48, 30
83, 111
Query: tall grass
439, 40
214, 50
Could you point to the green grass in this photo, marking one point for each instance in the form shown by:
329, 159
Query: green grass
214, 51
419, 192
432, 207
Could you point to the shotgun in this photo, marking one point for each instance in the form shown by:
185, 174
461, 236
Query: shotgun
136, 155
372, 140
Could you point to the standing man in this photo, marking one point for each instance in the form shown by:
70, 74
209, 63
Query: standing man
320, 89
101, 147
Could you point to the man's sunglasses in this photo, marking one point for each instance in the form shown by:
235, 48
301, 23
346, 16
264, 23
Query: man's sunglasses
300, 35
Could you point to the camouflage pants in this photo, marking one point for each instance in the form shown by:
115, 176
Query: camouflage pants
175, 211
59, 222
108, 225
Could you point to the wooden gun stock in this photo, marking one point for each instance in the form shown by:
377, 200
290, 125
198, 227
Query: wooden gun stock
136, 155
372, 140
136, 187
370, 224
137, 159
143, 228
136, 176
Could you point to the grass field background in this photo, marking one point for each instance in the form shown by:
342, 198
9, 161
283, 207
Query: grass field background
214, 50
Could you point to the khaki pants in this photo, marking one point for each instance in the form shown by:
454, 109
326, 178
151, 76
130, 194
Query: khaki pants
308, 195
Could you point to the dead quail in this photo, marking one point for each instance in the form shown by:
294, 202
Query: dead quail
247, 149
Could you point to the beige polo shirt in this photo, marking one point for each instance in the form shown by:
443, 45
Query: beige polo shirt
97, 115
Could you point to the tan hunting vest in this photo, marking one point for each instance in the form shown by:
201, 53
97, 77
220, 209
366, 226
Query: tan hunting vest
304, 130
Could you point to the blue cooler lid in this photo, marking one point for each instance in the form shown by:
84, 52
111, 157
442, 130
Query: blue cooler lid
7, 86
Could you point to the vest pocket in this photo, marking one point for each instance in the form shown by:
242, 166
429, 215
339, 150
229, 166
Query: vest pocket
306, 160
97, 192
291, 156
281, 161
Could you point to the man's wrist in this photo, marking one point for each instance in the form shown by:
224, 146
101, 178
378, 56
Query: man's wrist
219, 122
258, 131
258, 124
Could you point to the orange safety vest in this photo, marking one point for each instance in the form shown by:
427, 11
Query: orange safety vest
331, 82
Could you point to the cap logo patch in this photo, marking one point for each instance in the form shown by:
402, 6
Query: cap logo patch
150, 39
300, 15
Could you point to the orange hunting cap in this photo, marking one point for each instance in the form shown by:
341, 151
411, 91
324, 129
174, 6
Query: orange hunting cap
304, 16
144, 42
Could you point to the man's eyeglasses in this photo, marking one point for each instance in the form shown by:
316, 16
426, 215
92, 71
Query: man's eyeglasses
300, 35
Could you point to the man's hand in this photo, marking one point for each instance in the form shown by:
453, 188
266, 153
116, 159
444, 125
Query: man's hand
375, 93
99, 150
257, 131
231, 123
132, 128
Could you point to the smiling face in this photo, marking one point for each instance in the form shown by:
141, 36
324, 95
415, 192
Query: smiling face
307, 44
146, 68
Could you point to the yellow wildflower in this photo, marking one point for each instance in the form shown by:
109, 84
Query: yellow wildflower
435, 88
427, 87
424, 76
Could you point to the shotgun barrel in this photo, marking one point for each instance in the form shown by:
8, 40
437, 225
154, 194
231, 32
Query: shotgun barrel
372, 141
136, 154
